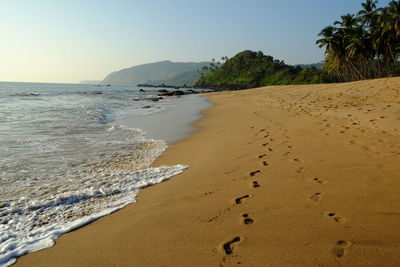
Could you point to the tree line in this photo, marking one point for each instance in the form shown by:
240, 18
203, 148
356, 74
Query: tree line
249, 69
214, 65
364, 45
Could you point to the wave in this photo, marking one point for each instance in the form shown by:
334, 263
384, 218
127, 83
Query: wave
24, 94
83, 193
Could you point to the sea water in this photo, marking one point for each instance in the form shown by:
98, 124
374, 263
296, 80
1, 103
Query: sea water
65, 158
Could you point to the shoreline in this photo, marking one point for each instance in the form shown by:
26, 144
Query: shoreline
172, 124
277, 176
152, 129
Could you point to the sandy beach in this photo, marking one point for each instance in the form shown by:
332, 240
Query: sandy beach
278, 176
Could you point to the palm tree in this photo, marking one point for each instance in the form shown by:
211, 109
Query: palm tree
366, 45
347, 23
350, 46
368, 13
388, 40
368, 16
394, 9
327, 38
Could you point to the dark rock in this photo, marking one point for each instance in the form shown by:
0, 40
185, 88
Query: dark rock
155, 99
141, 90
146, 107
179, 92
166, 94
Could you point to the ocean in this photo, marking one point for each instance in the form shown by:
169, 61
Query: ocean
67, 157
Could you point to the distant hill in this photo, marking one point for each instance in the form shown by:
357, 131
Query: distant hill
90, 82
250, 69
316, 65
167, 72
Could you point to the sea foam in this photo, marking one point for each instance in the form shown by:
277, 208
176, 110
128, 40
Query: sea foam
66, 159
84, 193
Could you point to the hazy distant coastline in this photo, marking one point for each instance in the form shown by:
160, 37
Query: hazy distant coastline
163, 72
90, 82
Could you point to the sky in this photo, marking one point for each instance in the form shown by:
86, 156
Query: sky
73, 40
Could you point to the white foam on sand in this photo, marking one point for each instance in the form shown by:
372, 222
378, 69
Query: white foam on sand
35, 219
95, 176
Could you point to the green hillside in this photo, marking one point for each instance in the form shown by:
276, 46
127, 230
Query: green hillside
250, 69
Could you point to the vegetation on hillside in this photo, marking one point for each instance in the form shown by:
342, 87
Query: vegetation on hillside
250, 69
364, 45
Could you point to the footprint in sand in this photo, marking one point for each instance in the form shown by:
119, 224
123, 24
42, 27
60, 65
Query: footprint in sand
229, 246
254, 173
265, 163
262, 130
300, 170
247, 220
335, 217
255, 184
262, 156
318, 180
240, 199
316, 196
340, 248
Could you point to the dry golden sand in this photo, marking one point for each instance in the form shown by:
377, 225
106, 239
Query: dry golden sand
326, 159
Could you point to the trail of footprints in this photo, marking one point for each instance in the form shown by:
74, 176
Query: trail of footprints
352, 126
229, 246
340, 248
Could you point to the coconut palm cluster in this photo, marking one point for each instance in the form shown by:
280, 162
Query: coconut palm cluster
364, 45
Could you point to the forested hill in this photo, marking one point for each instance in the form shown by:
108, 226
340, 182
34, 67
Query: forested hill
250, 69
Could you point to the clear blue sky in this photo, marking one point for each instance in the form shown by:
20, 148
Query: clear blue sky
73, 40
